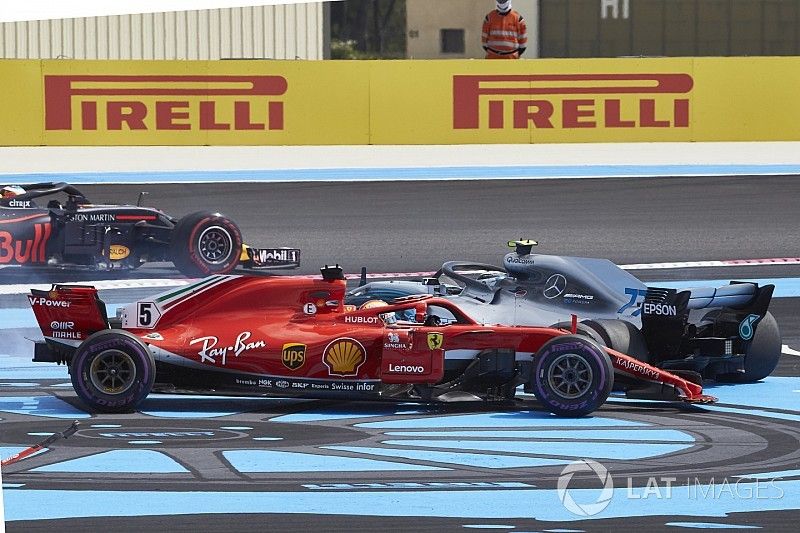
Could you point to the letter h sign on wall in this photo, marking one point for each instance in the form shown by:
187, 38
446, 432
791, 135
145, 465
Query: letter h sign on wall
613, 7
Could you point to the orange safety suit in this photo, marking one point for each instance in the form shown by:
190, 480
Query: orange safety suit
504, 36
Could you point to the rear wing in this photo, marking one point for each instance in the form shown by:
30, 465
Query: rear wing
67, 315
665, 316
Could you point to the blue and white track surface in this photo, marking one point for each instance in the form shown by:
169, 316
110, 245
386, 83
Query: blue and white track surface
216, 463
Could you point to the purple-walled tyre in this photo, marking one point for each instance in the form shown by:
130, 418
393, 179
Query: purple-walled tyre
112, 371
572, 375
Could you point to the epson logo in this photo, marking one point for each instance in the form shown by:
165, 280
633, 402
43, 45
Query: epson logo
406, 369
659, 309
361, 319
55, 324
48, 303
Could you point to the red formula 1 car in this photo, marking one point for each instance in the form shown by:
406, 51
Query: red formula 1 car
285, 336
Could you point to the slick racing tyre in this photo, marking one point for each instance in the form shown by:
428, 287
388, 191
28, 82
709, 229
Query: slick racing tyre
572, 375
205, 243
763, 353
112, 371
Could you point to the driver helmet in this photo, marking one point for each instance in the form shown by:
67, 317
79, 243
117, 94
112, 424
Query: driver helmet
388, 318
503, 6
10, 191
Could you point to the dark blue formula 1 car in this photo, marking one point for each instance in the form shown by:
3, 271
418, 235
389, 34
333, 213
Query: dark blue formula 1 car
77, 234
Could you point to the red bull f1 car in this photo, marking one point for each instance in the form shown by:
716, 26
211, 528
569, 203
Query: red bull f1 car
290, 336
77, 234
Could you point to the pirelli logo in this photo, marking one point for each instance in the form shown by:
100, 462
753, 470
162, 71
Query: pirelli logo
164, 103
547, 101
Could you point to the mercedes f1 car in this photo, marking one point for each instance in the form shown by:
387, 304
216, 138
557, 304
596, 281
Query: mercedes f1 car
79, 234
723, 333
291, 336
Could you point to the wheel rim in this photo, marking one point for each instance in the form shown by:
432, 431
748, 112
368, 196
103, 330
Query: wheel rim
570, 376
113, 372
215, 245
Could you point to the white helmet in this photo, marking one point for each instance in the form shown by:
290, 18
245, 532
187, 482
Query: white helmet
10, 191
503, 6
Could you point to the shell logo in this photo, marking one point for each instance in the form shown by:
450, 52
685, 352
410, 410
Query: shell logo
344, 357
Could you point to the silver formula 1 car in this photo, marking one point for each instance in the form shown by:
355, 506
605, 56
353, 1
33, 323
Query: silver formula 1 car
723, 333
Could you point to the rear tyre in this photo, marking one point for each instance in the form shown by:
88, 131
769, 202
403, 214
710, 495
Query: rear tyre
763, 353
622, 336
618, 335
572, 375
112, 371
205, 243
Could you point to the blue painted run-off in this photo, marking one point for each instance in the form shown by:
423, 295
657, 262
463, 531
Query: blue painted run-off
414, 173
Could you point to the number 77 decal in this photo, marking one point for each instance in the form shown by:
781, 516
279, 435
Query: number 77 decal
635, 294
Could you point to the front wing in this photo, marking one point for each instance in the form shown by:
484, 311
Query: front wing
661, 383
269, 258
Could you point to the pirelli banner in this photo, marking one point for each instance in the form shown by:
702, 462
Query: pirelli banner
61, 102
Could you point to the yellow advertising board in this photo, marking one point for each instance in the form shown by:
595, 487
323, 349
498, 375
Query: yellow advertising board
62, 102
540, 101
746, 99
21, 106
204, 103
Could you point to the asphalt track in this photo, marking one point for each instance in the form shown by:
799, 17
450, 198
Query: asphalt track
209, 464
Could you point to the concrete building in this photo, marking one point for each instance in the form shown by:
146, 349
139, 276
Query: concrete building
293, 31
451, 29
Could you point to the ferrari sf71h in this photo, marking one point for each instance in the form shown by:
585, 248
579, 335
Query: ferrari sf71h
290, 336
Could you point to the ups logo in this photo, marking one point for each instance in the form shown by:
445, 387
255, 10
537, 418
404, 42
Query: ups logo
293, 355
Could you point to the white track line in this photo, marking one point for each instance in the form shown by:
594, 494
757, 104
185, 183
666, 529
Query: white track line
726, 263
789, 351
23, 288
166, 282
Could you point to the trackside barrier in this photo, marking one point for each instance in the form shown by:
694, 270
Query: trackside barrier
64, 102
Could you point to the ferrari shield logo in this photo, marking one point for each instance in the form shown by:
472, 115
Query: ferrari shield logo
293, 355
435, 341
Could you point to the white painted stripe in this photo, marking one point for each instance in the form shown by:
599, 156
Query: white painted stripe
24, 288
725, 263
789, 351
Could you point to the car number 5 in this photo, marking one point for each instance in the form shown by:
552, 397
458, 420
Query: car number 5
147, 314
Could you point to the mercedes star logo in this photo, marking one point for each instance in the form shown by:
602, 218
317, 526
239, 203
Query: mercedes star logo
555, 285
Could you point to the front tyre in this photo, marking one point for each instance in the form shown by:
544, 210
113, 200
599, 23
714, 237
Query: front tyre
205, 243
572, 375
112, 371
